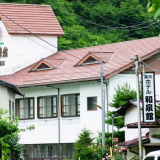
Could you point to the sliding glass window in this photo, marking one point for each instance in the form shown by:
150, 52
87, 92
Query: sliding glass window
47, 107
25, 108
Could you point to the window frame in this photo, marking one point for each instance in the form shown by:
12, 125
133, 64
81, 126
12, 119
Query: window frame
95, 109
17, 109
38, 108
77, 105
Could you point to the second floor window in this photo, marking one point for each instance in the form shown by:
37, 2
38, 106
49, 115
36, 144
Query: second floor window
70, 105
25, 108
47, 107
90, 103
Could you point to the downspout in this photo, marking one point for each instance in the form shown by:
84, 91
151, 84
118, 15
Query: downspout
106, 83
59, 114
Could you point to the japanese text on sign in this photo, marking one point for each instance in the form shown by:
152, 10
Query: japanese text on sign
148, 97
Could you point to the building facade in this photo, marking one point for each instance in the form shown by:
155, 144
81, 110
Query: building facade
60, 87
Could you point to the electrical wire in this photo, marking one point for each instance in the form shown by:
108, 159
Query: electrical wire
67, 53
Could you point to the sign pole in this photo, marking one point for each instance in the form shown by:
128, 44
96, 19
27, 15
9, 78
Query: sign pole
138, 109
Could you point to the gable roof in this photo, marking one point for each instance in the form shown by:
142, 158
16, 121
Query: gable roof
49, 63
95, 56
29, 19
131, 102
69, 72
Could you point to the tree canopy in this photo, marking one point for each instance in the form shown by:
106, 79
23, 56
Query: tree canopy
95, 22
154, 6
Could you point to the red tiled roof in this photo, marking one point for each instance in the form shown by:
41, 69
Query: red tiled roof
29, 19
68, 72
96, 56
51, 63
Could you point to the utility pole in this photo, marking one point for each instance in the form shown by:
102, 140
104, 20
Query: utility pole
102, 103
138, 108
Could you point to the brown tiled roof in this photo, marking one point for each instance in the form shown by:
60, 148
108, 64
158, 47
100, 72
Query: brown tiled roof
135, 142
69, 72
144, 125
29, 19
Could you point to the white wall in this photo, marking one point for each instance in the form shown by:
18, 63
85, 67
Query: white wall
46, 130
24, 50
5, 95
154, 131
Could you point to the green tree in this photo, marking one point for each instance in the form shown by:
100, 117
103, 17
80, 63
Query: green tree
154, 6
9, 137
122, 95
81, 145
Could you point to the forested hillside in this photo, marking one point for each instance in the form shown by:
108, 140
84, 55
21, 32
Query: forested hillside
95, 22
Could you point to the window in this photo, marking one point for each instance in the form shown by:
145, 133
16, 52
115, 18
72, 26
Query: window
90, 105
70, 105
47, 107
25, 108
149, 158
49, 151
43, 66
90, 60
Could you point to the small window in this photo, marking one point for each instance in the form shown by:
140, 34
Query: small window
90, 60
149, 158
90, 105
25, 108
43, 66
47, 107
70, 105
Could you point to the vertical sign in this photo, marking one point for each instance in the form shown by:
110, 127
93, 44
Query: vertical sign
148, 90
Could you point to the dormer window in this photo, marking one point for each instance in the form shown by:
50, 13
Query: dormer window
43, 66
91, 60
94, 58
47, 63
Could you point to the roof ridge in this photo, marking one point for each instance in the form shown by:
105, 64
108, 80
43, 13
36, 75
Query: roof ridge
107, 44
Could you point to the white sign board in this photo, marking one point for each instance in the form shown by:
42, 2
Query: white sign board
148, 91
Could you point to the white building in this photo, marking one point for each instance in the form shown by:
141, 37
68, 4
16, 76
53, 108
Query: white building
67, 83
59, 89
27, 34
8, 93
